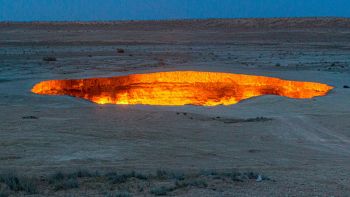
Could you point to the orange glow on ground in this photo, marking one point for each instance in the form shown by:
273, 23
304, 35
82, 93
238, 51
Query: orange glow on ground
180, 88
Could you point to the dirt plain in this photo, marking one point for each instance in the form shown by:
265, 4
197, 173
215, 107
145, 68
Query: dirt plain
304, 146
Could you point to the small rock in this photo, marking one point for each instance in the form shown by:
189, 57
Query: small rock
120, 50
30, 117
254, 150
259, 178
49, 59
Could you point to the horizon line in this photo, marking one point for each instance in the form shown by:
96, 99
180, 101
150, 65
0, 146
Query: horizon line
170, 19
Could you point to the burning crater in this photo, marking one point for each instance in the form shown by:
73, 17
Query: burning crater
180, 88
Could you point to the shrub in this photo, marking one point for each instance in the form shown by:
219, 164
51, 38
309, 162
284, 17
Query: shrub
161, 174
162, 190
119, 194
56, 177
12, 181
194, 183
66, 184
80, 174
4, 192
178, 176
115, 178
16, 183
142, 176
29, 186
240, 177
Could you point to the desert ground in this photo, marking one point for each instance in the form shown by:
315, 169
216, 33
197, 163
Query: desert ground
300, 146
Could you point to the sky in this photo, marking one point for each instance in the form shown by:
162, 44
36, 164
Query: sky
105, 10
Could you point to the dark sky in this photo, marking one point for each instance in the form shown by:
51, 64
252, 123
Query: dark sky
92, 10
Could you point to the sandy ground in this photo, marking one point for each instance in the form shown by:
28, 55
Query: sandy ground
305, 147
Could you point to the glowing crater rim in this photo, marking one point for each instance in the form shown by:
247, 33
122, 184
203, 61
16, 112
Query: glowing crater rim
180, 88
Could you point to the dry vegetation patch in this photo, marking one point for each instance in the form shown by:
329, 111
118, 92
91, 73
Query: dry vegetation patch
161, 182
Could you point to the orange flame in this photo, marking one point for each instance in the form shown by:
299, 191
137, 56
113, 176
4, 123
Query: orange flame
179, 88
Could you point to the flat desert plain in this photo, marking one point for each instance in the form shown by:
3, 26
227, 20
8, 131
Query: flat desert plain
263, 146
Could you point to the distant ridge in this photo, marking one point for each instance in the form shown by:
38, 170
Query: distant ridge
240, 23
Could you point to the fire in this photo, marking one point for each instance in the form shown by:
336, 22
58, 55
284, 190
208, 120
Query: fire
180, 88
